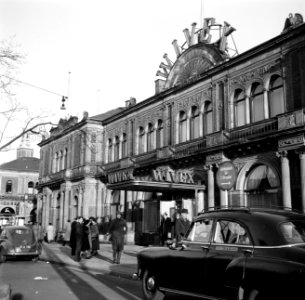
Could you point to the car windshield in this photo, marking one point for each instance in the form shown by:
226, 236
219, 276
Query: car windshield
293, 231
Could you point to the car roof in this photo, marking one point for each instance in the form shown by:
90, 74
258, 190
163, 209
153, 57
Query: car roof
262, 223
14, 227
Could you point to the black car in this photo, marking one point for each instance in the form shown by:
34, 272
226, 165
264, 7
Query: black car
231, 254
19, 241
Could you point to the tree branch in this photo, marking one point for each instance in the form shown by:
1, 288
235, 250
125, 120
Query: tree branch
24, 132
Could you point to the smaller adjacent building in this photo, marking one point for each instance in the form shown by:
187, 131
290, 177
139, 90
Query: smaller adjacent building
18, 182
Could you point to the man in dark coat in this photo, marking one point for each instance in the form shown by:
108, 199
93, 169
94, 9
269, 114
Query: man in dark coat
117, 229
182, 225
79, 235
165, 228
73, 237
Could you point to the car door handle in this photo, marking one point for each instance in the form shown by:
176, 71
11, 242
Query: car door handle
204, 247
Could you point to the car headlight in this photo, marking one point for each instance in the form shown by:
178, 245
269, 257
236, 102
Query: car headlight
18, 249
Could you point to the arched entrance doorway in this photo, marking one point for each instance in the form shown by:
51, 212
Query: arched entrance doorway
262, 187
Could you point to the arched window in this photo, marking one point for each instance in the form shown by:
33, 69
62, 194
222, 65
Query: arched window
194, 122
141, 140
116, 148
276, 96
240, 108
31, 187
150, 137
208, 118
182, 127
65, 162
124, 145
9, 186
56, 162
159, 134
257, 102
110, 149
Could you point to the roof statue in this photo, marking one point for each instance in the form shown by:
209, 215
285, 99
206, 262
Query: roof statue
292, 21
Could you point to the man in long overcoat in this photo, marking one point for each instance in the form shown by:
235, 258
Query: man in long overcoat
79, 233
117, 229
182, 225
73, 237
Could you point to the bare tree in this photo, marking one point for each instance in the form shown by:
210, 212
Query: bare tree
15, 118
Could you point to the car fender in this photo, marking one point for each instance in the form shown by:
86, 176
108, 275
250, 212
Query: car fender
264, 273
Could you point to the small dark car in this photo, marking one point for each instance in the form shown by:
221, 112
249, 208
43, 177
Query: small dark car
231, 254
19, 241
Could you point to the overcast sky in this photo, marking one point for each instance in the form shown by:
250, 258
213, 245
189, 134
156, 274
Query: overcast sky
113, 48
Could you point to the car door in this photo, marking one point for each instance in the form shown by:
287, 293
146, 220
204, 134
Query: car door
230, 240
188, 261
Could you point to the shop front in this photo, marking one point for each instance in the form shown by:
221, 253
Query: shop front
145, 196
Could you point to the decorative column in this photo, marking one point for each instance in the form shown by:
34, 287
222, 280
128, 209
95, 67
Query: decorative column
61, 212
302, 165
266, 104
211, 187
200, 201
247, 109
285, 172
224, 198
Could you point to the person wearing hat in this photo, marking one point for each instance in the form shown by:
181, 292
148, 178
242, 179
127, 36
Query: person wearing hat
117, 230
181, 225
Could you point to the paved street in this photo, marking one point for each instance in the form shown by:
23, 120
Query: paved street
50, 281
57, 276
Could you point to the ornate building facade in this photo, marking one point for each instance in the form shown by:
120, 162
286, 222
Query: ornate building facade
222, 129
18, 187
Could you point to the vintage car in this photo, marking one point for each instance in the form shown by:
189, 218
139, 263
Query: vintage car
231, 254
19, 241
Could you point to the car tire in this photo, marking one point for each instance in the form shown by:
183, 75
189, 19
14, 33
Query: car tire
150, 287
2, 256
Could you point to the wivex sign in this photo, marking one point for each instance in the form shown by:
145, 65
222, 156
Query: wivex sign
168, 175
120, 176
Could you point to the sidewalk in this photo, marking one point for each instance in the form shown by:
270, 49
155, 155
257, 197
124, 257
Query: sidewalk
102, 263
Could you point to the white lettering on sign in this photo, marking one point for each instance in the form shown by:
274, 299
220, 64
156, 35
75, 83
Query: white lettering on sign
171, 176
120, 176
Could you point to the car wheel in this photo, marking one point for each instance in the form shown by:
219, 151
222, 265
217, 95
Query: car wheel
2, 256
150, 287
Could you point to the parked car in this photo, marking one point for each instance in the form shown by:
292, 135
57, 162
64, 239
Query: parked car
19, 241
231, 254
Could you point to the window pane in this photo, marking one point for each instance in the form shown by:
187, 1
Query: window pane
195, 127
182, 132
258, 108
240, 113
209, 123
276, 102
200, 231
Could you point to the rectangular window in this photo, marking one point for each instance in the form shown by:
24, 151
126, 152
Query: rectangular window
276, 102
258, 108
183, 132
240, 113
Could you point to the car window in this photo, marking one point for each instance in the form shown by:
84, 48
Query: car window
200, 231
293, 232
229, 232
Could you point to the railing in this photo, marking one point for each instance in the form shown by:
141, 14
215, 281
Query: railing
144, 157
251, 131
189, 148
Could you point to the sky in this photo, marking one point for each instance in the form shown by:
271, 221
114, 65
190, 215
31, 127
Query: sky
100, 53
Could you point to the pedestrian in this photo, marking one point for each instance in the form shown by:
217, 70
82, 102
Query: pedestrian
94, 233
182, 225
67, 233
105, 227
50, 233
117, 230
86, 244
165, 228
73, 237
78, 238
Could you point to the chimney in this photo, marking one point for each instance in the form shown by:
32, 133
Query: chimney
132, 101
159, 86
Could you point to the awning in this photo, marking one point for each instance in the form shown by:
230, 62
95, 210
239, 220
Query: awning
153, 186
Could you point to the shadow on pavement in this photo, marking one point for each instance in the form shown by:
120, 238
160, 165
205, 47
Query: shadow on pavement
81, 289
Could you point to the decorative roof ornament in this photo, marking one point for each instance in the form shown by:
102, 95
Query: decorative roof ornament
207, 52
292, 21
